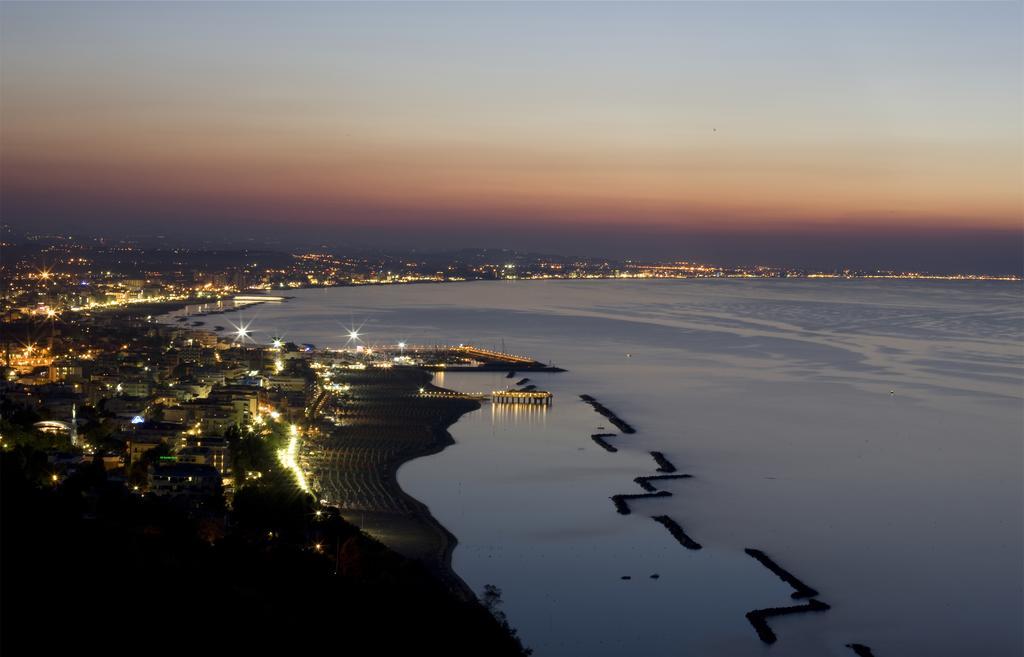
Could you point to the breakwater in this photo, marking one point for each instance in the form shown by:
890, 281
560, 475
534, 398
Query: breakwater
759, 617
621, 501
621, 424
800, 590
599, 438
645, 482
664, 465
676, 530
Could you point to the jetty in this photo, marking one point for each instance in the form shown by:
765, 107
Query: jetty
621, 424
621, 501
599, 438
645, 482
677, 532
759, 617
800, 590
467, 358
664, 465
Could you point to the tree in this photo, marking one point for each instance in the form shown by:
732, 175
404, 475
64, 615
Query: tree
138, 472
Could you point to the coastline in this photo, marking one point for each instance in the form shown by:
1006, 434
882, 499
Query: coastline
407, 527
173, 306
383, 426
446, 573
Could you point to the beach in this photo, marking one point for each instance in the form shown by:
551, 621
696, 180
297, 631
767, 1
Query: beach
381, 424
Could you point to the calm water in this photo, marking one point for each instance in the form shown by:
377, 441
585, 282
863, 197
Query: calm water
904, 510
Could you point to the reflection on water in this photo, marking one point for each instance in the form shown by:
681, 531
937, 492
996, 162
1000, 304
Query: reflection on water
529, 415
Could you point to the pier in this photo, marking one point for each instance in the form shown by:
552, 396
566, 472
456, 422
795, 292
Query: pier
533, 397
528, 397
435, 393
492, 356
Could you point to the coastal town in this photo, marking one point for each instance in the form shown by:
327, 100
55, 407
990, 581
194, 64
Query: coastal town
269, 446
161, 404
55, 273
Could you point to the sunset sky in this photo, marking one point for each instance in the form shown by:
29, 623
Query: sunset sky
705, 129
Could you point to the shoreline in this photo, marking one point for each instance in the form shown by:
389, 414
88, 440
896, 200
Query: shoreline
447, 573
178, 305
406, 524
384, 426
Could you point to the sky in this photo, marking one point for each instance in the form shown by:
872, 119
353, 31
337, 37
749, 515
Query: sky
854, 133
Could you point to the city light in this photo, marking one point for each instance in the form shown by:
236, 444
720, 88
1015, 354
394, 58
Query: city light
353, 334
241, 331
287, 458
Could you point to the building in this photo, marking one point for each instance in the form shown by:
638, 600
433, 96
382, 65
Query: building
213, 455
184, 479
137, 446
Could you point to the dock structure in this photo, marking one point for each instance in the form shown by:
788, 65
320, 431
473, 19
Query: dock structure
534, 397
489, 355
529, 397
451, 394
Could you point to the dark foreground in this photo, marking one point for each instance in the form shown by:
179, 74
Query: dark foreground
88, 565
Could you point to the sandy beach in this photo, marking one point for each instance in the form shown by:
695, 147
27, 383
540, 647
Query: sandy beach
383, 423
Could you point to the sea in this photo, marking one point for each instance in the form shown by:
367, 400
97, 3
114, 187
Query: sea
864, 434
